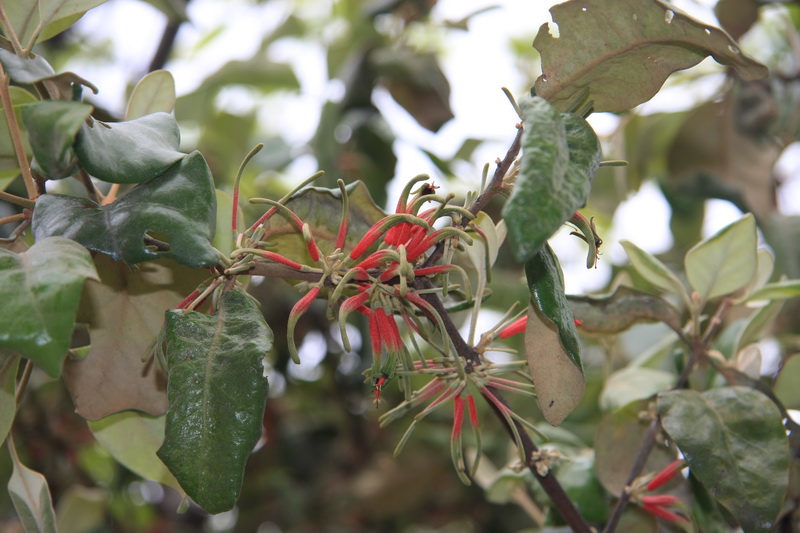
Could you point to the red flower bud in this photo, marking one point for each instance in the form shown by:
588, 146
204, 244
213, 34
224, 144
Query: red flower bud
665, 475
518, 326
458, 416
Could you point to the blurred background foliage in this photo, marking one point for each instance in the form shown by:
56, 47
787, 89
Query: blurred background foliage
324, 465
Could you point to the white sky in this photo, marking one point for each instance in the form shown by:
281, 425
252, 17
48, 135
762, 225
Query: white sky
478, 63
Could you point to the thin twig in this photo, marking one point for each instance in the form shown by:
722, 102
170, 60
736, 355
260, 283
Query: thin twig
10, 34
12, 218
16, 136
17, 200
92, 192
23, 381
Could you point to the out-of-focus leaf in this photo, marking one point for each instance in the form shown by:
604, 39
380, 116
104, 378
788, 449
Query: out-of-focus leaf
130, 152
40, 290
633, 383
736, 16
322, 210
132, 439
52, 126
758, 325
725, 262
53, 10
561, 154
650, 268
626, 53
173, 9
618, 441
417, 83
495, 235
31, 497
178, 204
764, 269
786, 388
619, 311
780, 290
647, 140
580, 482
217, 392
8, 157
713, 156
735, 443
155, 93
552, 346
9, 364
82, 509
124, 313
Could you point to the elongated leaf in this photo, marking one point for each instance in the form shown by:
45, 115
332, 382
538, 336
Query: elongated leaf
35, 69
780, 290
633, 383
551, 340
786, 388
52, 10
735, 443
626, 52
40, 290
27, 16
132, 439
619, 311
9, 364
130, 152
561, 154
31, 497
725, 262
9, 165
153, 94
217, 392
124, 313
52, 126
179, 204
652, 269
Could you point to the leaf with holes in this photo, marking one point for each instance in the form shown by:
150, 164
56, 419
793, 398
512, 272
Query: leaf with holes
725, 262
551, 340
217, 391
31, 496
130, 152
626, 53
735, 443
124, 314
40, 290
178, 206
52, 126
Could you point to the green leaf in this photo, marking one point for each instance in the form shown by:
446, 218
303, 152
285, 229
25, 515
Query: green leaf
35, 15
577, 476
757, 325
82, 509
9, 165
633, 383
217, 392
51, 11
654, 271
124, 314
154, 93
780, 290
626, 53
35, 69
735, 443
40, 290
224, 239
725, 262
132, 439
30, 496
786, 388
551, 340
9, 364
561, 154
178, 206
621, 310
130, 152
52, 126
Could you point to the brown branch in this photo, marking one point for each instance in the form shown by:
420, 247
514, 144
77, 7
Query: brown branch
16, 136
495, 186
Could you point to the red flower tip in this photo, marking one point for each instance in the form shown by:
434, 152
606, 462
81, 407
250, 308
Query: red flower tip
666, 514
473, 411
660, 500
518, 326
665, 475
379, 382
458, 415
578, 322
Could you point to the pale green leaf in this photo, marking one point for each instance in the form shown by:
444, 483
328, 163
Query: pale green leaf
82, 509
652, 269
154, 93
31, 496
9, 364
780, 290
786, 388
633, 383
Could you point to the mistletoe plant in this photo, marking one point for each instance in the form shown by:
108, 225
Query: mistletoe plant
138, 256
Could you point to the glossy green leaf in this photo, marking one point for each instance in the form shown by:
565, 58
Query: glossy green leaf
551, 340
621, 310
178, 206
217, 392
725, 262
626, 53
633, 383
650, 268
31, 497
735, 443
9, 364
52, 126
780, 290
132, 439
130, 152
561, 154
40, 290
786, 388
617, 443
124, 314
153, 94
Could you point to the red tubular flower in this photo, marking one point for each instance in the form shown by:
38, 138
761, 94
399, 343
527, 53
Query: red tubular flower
186, 301
277, 258
458, 416
438, 269
518, 326
297, 311
657, 506
665, 475
375, 334
473, 411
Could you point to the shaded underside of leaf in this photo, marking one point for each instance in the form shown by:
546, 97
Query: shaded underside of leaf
179, 204
622, 309
52, 126
623, 53
40, 290
217, 392
735, 443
